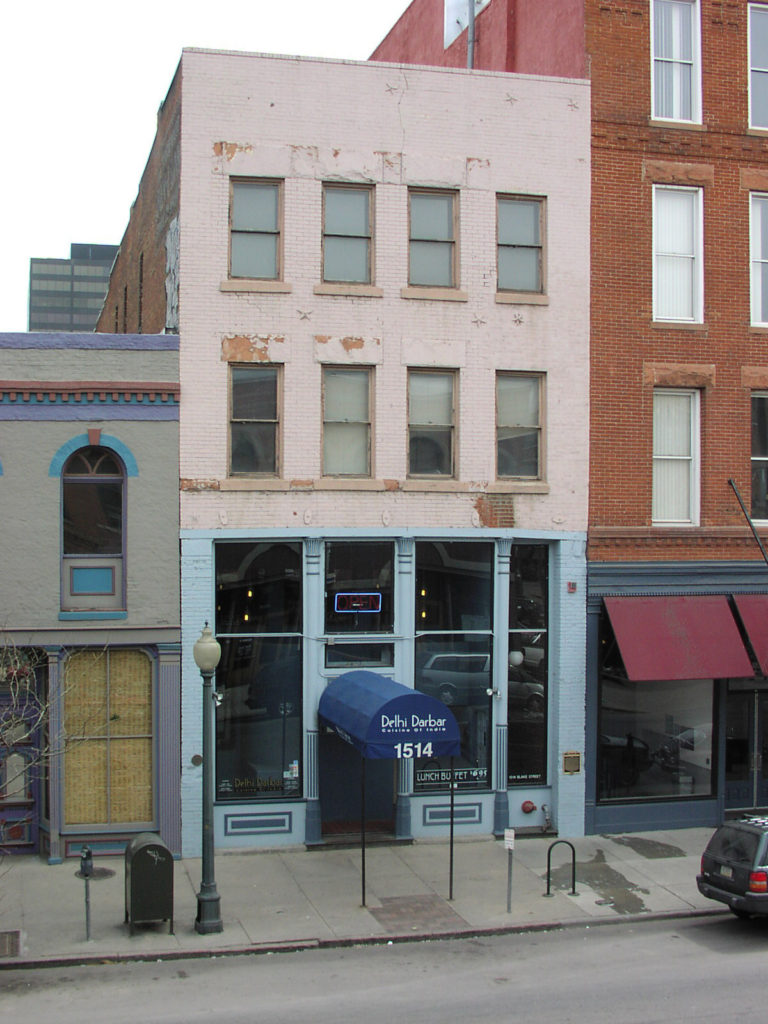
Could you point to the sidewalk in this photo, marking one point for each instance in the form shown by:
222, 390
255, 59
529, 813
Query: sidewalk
298, 898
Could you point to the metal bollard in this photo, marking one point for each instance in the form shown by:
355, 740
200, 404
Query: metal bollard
85, 872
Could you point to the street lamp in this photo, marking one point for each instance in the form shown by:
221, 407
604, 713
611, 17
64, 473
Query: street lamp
206, 653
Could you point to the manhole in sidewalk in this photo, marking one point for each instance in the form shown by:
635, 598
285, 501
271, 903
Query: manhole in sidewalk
10, 943
97, 873
417, 913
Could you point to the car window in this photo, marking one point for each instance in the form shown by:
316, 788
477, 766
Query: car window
734, 845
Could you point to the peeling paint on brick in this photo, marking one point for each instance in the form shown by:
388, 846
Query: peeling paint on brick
231, 149
302, 485
495, 510
199, 485
244, 348
348, 344
322, 339
391, 485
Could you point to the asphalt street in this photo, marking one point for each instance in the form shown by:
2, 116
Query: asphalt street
634, 972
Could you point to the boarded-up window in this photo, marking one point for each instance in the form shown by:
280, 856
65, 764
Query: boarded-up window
108, 723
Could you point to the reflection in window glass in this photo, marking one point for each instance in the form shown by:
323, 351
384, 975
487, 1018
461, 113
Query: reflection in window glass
431, 423
454, 585
254, 420
359, 587
456, 670
258, 588
259, 720
527, 674
347, 234
655, 737
92, 497
432, 245
454, 594
355, 655
255, 231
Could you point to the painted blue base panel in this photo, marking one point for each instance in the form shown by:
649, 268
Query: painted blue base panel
109, 847
92, 581
652, 817
440, 814
279, 823
67, 616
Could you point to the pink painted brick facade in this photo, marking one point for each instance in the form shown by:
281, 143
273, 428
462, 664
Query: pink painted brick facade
479, 133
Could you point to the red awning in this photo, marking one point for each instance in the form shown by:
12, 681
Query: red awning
678, 638
753, 609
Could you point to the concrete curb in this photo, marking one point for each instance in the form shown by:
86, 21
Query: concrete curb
272, 948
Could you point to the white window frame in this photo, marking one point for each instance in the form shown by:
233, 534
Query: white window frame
693, 459
274, 233
694, 62
533, 428
330, 235
693, 255
536, 246
275, 422
758, 250
416, 427
450, 244
329, 419
756, 10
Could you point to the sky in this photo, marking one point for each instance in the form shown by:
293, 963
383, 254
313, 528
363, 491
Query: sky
80, 86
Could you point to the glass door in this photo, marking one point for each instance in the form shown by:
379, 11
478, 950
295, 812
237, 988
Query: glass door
746, 749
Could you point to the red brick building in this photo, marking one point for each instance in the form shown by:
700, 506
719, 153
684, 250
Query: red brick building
677, 705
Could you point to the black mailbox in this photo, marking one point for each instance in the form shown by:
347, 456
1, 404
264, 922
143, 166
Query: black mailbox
148, 881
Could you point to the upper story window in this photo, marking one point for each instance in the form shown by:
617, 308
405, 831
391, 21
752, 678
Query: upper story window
678, 278
255, 218
675, 457
346, 421
758, 66
676, 60
433, 233
760, 456
520, 248
254, 420
759, 258
92, 530
347, 234
431, 423
518, 425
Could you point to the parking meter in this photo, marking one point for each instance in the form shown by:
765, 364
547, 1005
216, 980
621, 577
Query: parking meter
86, 862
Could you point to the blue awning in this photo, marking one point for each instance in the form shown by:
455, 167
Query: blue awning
379, 717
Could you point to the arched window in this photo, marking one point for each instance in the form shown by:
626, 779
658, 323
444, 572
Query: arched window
93, 515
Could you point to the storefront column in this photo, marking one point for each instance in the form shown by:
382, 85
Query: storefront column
405, 612
166, 781
500, 687
55, 789
314, 606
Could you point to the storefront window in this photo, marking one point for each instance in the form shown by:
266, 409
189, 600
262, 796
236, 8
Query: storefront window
454, 654
527, 675
258, 588
655, 737
358, 587
259, 678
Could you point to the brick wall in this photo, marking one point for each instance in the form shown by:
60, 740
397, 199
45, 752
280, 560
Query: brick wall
629, 352
273, 117
136, 300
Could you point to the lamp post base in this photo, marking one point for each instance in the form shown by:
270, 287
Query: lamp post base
208, 918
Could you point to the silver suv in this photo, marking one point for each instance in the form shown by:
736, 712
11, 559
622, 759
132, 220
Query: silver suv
734, 867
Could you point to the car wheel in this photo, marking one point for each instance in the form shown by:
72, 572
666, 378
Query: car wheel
743, 915
447, 694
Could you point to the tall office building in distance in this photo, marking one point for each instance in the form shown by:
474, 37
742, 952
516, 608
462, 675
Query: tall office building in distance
67, 294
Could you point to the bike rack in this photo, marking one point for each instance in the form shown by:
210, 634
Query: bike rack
564, 842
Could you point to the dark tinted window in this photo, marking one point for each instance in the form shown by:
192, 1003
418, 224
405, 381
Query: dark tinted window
735, 845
